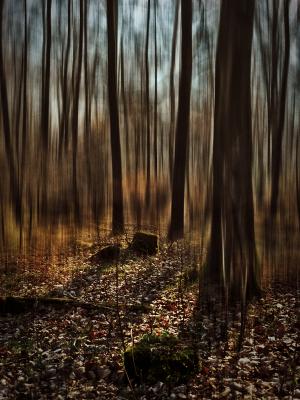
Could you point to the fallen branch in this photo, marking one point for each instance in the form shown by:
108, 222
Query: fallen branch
17, 305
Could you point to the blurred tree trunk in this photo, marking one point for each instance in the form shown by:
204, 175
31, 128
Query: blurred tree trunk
172, 91
125, 111
64, 131
155, 156
87, 119
75, 116
46, 67
278, 132
232, 254
24, 115
14, 188
148, 130
298, 176
117, 209
176, 229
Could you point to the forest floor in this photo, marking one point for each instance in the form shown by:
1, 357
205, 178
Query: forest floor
77, 353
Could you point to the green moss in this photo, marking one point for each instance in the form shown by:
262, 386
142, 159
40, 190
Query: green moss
160, 358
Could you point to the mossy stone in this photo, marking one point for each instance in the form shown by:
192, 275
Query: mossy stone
144, 243
106, 254
160, 358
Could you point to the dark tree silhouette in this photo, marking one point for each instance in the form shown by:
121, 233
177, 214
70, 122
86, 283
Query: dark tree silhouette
278, 133
14, 188
46, 69
117, 209
232, 257
147, 105
64, 124
75, 115
182, 124
172, 90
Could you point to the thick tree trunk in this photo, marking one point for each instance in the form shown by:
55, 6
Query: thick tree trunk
232, 256
176, 229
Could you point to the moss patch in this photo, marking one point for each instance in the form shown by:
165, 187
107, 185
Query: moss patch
160, 358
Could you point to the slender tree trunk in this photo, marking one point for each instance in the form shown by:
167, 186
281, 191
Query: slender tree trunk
24, 124
46, 82
176, 229
278, 134
117, 209
272, 115
148, 128
17, 111
125, 110
63, 139
14, 188
172, 91
75, 116
87, 119
155, 117
298, 175
46, 103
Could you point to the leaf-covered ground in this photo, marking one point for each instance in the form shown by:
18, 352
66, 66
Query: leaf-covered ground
76, 353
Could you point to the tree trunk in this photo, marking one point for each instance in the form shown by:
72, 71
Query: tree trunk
46, 68
232, 255
278, 133
155, 157
75, 117
14, 188
117, 209
182, 126
64, 132
148, 131
172, 91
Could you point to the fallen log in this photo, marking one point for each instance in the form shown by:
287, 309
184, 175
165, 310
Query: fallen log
17, 305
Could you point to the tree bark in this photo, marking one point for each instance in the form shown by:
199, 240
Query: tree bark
148, 128
176, 229
232, 255
14, 188
278, 134
75, 117
117, 207
172, 90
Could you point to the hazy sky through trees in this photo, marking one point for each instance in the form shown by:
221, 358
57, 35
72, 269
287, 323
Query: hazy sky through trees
94, 153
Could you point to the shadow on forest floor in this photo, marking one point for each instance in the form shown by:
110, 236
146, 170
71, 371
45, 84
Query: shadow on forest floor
76, 351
